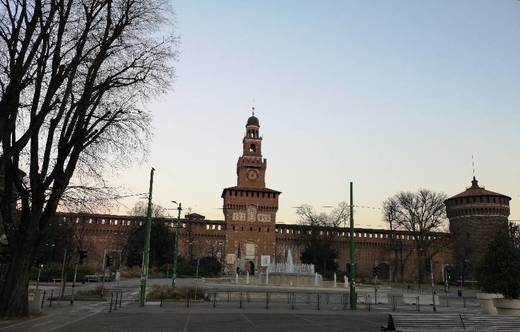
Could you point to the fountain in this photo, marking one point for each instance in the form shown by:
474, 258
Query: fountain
290, 274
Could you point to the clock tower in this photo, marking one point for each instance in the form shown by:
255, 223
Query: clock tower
250, 209
250, 166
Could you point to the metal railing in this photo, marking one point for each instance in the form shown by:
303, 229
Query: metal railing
116, 300
314, 300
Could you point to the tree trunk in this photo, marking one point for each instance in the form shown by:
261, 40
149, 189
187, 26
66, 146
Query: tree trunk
13, 294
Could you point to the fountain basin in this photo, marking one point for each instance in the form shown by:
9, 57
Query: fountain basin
293, 279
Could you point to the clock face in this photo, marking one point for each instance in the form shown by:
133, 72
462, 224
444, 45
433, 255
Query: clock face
252, 175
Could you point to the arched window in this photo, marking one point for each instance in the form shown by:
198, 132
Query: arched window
252, 148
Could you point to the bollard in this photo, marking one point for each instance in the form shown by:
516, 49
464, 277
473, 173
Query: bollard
187, 299
344, 301
161, 303
418, 305
394, 304
43, 299
464, 301
447, 303
248, 297
327, 298
50, 298
120, 299
240, 300
293, 300
115, 302
228, 296
111, 299
266, 300
215, 300
318, 301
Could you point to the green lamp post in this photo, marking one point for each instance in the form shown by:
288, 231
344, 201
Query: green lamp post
176, 248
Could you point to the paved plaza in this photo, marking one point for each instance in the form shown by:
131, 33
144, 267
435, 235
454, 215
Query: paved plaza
154, 318
232, 311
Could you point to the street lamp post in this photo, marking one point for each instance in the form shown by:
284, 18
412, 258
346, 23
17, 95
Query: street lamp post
463, 274
40, 267
353, 296
146, 251
176, 247
63, 279
433, 284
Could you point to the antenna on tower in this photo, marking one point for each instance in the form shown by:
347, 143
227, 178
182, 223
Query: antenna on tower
473, 165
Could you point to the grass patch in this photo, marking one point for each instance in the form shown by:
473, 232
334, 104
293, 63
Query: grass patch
135, 272
178, 293
95, 294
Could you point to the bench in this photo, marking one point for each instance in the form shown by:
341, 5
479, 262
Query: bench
495, 323
424, 322
451, 322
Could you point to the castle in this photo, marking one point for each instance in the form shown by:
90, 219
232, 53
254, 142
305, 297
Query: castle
249, 238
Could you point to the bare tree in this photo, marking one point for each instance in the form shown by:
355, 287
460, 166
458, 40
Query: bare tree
140, 209
397, 244
319, 234
74, 75
420, 214
309, 217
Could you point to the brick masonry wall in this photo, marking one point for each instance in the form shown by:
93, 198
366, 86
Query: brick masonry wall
472, 236
373, 247
211, 238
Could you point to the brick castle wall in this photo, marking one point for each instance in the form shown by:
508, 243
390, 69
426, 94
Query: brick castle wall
199, 238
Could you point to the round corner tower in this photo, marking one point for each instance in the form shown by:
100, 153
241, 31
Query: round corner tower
475, 216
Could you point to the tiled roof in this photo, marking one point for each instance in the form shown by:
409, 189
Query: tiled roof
475, 190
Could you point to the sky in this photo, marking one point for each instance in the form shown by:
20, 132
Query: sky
391, 95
